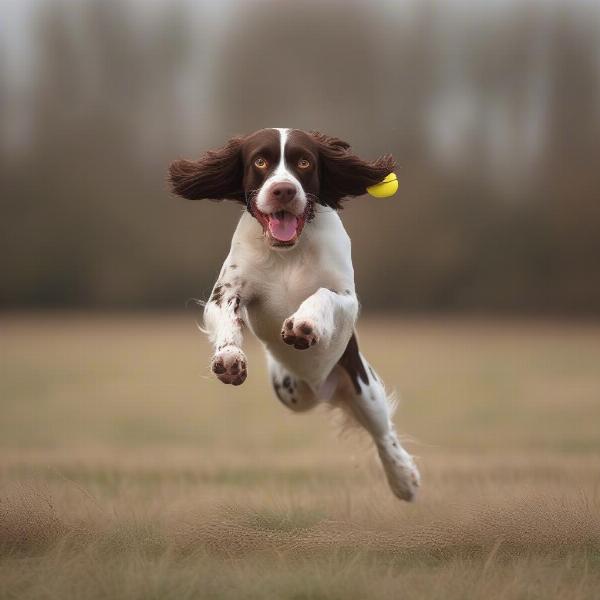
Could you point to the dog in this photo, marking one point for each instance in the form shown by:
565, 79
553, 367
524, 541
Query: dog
289, 276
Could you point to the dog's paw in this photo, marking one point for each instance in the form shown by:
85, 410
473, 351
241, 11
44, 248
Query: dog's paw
300, 333
229, 365
404, 481
402, 473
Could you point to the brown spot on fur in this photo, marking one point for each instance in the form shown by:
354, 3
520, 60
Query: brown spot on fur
353, 364
233, 266
235, 301
277, 389
373, 374
217, 295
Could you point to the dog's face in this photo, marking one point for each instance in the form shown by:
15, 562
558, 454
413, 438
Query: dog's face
281, 182
279, 175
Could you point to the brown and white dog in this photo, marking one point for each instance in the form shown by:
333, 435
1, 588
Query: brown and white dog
289, 276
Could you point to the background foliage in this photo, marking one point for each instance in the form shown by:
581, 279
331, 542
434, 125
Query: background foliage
491, 109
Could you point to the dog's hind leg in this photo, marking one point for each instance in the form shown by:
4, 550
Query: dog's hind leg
292, 392
361, 393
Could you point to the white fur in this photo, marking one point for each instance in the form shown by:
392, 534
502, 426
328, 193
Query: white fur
310, 283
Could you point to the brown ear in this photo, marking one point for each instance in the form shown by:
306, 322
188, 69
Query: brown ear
345, 174
216, 175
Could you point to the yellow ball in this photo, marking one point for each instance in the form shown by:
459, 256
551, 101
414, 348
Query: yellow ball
388, 187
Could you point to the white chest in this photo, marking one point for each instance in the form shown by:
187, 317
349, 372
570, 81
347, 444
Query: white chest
281, 292
281, 280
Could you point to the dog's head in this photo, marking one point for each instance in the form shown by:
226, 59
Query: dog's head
279, 175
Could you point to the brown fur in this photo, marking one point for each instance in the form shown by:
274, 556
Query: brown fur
216, 175
226, 173
353, 364
345, 174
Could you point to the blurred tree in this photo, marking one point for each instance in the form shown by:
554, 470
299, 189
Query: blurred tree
492, 112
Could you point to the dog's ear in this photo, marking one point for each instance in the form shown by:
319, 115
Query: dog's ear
217, 175
344, 174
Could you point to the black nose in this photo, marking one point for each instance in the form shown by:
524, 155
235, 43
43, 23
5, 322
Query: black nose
283, 192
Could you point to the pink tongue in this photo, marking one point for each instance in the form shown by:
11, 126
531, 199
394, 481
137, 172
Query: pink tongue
283, 229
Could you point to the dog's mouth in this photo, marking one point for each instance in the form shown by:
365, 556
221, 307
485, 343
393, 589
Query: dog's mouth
282, 228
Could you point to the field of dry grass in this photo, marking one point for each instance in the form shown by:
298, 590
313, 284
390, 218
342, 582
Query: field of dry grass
126, 471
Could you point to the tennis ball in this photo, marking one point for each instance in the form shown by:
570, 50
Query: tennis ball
388, 187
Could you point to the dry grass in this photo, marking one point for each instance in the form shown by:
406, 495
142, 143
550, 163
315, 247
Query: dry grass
127, 472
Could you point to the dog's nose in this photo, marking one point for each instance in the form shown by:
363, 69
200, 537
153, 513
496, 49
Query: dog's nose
283, 192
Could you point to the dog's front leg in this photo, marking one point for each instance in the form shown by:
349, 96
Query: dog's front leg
320, 316
224, 323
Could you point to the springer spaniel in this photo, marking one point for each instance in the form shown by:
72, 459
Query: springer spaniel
289, 276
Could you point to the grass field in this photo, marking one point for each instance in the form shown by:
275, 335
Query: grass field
126, 471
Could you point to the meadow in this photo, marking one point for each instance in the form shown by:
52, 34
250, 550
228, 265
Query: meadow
128, 471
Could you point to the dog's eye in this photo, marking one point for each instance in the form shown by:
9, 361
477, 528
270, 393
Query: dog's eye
260, 163
303, 163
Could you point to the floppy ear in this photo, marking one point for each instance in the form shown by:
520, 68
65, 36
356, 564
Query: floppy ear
345, 174
216, 175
